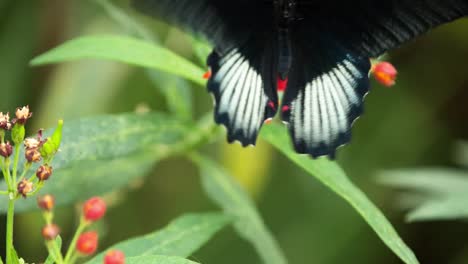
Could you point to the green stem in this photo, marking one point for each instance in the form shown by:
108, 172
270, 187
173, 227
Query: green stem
38, 188
15, 163
73, 258
9, 231
55, 251
3, 192
26, 168
71, 249
5, 174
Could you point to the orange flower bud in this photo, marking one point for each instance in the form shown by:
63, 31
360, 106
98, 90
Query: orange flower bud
385, 73
94, 209
87, 243
32, 155
46, 202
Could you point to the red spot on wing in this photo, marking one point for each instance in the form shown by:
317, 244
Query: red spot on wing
285, 108
207, 75
272, 105
282, 84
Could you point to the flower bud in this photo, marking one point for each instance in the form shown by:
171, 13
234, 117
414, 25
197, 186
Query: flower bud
24, 187
6, 149
22, 115
94, 209
385, 73
31, 143
46, 202
114, 257
50, 231
52, 144
87, 243
43, 172
17, 133
5, 121
32, 155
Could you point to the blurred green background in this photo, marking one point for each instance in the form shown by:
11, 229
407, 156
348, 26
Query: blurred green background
416, 123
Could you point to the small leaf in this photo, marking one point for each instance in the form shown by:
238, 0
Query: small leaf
227, 193
51, 258
180, 238
123, 49
441, 192
155, 259
14, 257
330, 174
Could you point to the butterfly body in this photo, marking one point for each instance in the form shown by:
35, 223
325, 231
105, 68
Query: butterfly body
322, 48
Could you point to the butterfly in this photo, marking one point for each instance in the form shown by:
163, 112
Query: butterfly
322, 48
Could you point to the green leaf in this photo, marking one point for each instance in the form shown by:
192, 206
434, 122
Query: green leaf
14, 257
51, 258
99, 154
330, 174
228, 194
155, 259
436, 193
123, 49
180, 238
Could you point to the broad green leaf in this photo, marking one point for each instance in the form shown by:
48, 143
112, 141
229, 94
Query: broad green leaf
99, 154
51, 258
155, 259
228, 194
330, 174
435, 193
177, 91
124, 49
180, 238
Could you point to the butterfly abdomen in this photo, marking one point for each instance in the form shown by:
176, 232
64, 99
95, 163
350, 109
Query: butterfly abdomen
284, 52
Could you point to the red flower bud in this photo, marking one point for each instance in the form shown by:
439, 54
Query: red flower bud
94, 209
50, 231
87, 243
6, 149
114, 257
43, 172
385, 73
46, 202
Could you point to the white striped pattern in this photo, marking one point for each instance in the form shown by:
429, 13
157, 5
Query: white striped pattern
242, 97
321, 110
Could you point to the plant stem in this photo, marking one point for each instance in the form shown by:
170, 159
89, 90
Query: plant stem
9, 231
71, 249
55, 251
3, 192
15, 163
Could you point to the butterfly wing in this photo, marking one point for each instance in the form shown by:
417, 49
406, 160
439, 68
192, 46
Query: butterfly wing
242, 63
370, 27
222, 22
244, 88
326, 87
329, 75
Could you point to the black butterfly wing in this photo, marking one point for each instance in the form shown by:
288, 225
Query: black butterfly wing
331, 46
326, 87
242, 63
223, 22
244, 88
371, 27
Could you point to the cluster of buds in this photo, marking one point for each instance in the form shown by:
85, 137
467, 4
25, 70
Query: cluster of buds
84, 243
